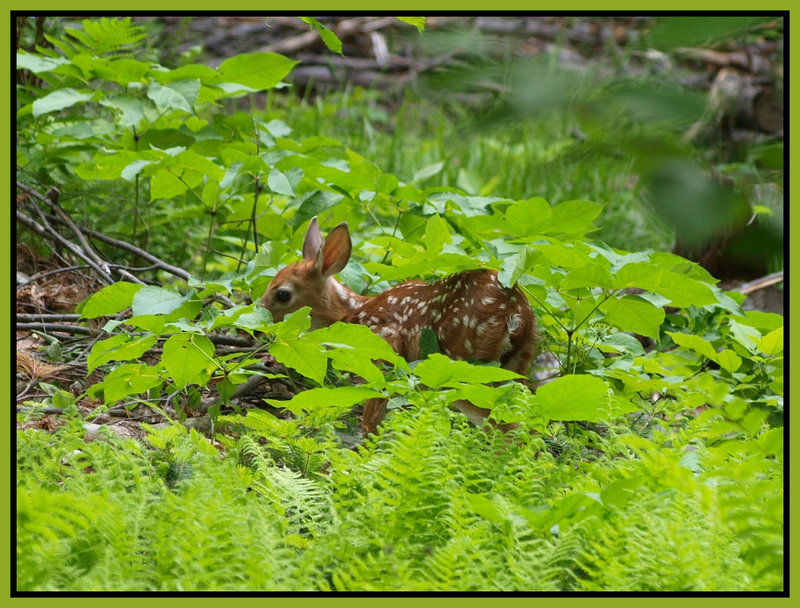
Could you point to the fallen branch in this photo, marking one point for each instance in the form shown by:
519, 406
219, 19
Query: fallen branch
46, 274
51, 327
156, 262
46, 317
47, 231
761, 283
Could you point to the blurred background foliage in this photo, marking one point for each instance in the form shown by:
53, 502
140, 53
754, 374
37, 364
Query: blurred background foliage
675, 124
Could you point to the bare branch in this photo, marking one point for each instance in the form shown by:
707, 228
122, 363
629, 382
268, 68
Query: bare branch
48, 231
51, 327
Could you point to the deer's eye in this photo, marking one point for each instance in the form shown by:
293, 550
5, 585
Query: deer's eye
283, 295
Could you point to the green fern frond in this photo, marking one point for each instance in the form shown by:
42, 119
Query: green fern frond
99, 37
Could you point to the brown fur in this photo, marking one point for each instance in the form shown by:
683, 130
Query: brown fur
473, 316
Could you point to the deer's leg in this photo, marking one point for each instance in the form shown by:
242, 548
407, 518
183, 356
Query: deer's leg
374, 413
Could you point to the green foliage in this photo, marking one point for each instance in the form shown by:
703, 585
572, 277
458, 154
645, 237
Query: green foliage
635, 468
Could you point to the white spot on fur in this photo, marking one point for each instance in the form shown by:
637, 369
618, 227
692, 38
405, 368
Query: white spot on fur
487, 300
513, 322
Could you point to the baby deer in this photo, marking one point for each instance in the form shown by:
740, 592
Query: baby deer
471, 313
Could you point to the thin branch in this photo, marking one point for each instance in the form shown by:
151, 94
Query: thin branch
178, 272
751, 286
89, 254
51, 327
49, 231
45, 274
41, 318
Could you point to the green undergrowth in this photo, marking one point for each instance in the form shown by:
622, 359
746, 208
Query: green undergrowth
431, 504
651, 460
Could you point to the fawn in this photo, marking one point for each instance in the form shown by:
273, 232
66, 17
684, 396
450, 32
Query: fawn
472, 314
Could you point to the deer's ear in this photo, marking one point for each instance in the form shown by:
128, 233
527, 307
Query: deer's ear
312, 246
336, 251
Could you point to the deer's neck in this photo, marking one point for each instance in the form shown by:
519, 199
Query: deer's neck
340, 302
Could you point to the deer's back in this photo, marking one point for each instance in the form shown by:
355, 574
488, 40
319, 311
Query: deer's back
472, 315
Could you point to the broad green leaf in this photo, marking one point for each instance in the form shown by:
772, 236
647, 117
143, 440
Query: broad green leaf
257, 319
330, 39
624, 344
59, 100
167, 98
172, 140
417, 22
188, 359
360, 337
772, 343
256, 70
109, 166
151, 300
210, 194
152, 323
438, 371
345, 358
574, 217
130, 172
343, 397
279, 183
728, 360
437, 234
278, 128
129, 379
495, 398
515, 266
293, 324
38, 63
745, 335
110, 300
230, 175
123, 70
304, 356
191, 160
563, 255
528, 217
765, 322
695, 343
195, 71
574, 397
771, 442
633, 314
448, 263
165, 184
119, 348
681, 290
726, 302
592, 274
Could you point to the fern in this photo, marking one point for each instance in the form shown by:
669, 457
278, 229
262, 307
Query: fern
103, 36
